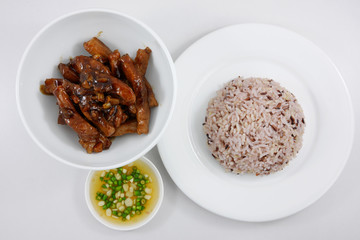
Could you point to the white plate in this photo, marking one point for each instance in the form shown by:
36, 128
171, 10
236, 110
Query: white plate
261, 51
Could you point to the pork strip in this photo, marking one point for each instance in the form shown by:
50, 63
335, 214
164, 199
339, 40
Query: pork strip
151, 96
96, 117
50, 85
137, 82
80, 63
68, 73
141, 62
129, 126
89, 108
114, 58
89, 137
97, 48
122, 90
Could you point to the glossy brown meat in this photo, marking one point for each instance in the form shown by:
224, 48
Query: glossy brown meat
80, 63
89, 137
116, 116
101, 82
91, 80
98, 49
50, 85
151, 96
48, 88
124, 117
96, 116
68, 73
100, 59
70, 88
137, 82
122, 90
113, 114
103, 95
125, 128
132, 109
114, 58
89, 106
61, 120
72, 117
74, 89
101, 144
141, 62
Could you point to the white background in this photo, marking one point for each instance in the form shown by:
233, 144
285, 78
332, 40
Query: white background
41, 198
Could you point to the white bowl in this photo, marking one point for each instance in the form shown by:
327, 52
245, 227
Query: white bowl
63, 38
125, 227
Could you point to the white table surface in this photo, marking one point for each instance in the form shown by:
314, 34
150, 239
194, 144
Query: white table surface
41, 198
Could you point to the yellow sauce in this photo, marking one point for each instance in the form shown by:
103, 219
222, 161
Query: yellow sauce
96, 183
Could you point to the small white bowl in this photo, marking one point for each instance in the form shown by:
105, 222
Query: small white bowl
63, 38
127, 226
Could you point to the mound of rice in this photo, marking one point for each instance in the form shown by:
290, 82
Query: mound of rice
254, 125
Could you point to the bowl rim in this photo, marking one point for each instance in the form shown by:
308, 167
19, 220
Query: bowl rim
86, 11
132, 226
